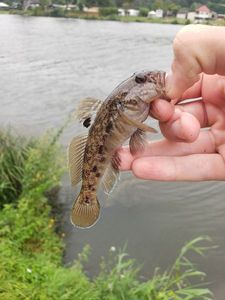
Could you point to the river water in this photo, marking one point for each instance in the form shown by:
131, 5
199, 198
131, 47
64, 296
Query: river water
46, 66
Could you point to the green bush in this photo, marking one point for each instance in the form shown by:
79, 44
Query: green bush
174, 21
37, 11
108, 11
143, 11
58, 12
31, 251
13, 154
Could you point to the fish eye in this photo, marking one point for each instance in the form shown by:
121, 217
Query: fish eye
140, 78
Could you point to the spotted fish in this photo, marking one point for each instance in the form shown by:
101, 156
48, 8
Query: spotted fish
93, 157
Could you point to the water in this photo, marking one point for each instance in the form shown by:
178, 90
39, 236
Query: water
47, 65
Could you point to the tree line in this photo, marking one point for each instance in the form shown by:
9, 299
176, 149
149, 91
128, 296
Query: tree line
173, 5
143, 5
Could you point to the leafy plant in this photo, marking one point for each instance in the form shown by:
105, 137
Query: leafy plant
31, 251
119, 278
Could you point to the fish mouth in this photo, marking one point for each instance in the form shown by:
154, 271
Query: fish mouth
165, 97
161, 86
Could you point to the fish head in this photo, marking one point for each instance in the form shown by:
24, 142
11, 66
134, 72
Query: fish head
147, 85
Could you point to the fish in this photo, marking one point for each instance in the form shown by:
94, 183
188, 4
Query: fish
92, 157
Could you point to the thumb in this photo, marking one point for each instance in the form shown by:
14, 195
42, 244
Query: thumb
197, 49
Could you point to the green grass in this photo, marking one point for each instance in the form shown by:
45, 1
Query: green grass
31, 251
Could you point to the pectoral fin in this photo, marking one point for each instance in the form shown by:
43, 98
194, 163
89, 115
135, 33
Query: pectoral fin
137, 141
136, 123
111, 175
86, 109
75, 158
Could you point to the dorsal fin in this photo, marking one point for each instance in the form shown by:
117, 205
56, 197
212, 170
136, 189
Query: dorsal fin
75, 158
87, 108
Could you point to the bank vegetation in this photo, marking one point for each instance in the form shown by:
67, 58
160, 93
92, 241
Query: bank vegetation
31, 244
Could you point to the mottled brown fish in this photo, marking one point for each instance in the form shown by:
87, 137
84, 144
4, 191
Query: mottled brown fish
92, 157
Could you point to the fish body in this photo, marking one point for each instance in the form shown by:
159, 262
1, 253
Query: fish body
93, 158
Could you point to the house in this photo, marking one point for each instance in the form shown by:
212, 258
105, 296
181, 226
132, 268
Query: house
221, 16
159, 13
152, 14
4, 5
132, 12
94, 11
121, 12
191, 16
182, 14
203, 13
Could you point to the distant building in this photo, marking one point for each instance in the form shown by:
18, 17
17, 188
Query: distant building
221, 16
191, 16
159, 13
92, 10
121, 12
182, 14
203, 13
132, 12
4, 5
152, 14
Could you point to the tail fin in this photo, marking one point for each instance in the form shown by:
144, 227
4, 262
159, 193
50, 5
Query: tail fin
85, 212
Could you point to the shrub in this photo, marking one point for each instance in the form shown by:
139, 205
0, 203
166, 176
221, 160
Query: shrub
108, 11
13, 154
31, 251
58, 12
143, 11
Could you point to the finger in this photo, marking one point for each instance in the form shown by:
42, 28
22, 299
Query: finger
182, 126
197, 49
209, 87
204, 144
161, 110
175, 124
187, 119
196, 167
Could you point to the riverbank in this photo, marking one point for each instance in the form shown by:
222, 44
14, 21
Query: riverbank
31, 249
61, 13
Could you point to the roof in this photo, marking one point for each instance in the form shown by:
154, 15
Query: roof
3, 4
204, 9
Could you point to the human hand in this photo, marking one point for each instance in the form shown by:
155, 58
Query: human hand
189, 153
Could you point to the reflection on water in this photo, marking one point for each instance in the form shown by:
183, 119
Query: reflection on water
47, 65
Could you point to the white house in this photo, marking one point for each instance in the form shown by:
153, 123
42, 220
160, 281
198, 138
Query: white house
132, 12
152, 14
121, 12
191, 15
91, 10
182, 14
203, 13
3, 5
159, 13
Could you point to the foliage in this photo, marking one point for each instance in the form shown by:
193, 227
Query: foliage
58, 12
118, 279
108, 11
31, 251
13, 154
143, 11
166, 5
